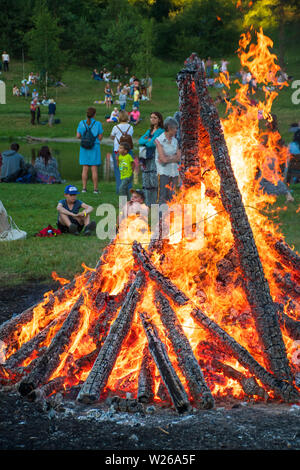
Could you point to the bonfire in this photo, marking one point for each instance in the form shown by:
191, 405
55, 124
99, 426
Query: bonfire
202, 313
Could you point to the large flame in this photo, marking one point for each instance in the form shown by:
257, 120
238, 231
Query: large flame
255, 153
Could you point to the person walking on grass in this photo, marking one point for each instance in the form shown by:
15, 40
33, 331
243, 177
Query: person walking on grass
69, 219
90, 132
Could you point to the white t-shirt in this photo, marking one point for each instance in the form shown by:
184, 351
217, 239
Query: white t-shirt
169, 148
5, 57
117, 133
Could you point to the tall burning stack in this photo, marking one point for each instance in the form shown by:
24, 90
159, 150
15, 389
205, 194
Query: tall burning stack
186, 322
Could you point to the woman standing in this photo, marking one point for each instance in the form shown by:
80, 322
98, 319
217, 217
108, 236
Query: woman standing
167, 158
122, 130
46, 167
148, 164
90, 132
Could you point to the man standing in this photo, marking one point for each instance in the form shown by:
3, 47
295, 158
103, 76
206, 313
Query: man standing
5, 60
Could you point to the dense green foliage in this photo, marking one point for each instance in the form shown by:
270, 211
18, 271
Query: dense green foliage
119, 33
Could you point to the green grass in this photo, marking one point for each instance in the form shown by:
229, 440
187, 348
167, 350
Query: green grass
33, 207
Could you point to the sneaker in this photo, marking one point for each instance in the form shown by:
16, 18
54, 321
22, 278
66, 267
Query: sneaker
73, 229
96, 191
89, 228
83, 190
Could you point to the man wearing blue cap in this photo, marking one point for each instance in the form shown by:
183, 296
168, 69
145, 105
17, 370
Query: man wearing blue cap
69, 219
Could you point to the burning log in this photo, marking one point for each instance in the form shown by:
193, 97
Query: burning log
286, 283
164, 365
143, 260
32, 345
9, 327
281, 387
249, 384
257, 288
186, 359
146, 382
51, 359
291, 326
98, 376
290, 256
46, 390
188, 107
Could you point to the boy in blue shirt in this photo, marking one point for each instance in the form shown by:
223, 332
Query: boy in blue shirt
69, 219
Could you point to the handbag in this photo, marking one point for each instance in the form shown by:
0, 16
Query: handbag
143, 152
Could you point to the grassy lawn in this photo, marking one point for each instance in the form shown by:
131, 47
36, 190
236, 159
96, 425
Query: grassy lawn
33, 207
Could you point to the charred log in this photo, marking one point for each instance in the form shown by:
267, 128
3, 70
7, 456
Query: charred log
97, 379
186, 359
288, 255
9, 327
32, 345
249, 384
144, 262
163, 363
50, 360
257, 288
146, 382
282, 388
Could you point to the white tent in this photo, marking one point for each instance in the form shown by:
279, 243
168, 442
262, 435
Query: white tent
2, 92
8, 229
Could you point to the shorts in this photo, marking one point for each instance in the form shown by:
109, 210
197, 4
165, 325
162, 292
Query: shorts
64, 228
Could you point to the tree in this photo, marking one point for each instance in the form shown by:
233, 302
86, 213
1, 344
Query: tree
44, 44
144, 59
273, 14
122, 38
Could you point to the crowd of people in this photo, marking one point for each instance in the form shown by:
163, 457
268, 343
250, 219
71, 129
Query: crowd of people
134, 90
158, 157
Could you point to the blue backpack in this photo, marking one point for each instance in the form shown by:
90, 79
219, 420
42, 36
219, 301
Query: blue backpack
88, 139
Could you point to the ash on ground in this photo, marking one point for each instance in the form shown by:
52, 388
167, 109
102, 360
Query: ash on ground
63, 424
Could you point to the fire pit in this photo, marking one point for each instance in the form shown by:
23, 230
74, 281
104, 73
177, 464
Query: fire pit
177, 321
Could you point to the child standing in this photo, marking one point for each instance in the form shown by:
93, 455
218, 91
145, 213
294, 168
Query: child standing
126, 166
108, 94
69, 219
136, 97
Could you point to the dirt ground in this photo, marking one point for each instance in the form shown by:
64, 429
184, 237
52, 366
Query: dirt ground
66, 425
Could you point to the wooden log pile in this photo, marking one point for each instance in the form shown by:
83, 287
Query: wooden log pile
114, 315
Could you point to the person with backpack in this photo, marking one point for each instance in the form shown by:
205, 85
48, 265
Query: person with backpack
90, 132
121, 132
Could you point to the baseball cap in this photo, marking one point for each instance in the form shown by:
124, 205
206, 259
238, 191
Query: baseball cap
140, 192
70, 189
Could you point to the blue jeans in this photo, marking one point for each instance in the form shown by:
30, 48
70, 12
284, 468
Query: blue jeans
125, 186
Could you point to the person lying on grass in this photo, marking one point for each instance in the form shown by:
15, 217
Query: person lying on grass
69, 219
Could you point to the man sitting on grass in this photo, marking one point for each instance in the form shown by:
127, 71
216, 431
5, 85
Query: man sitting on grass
70, 220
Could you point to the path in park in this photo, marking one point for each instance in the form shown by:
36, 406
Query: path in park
70, 140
